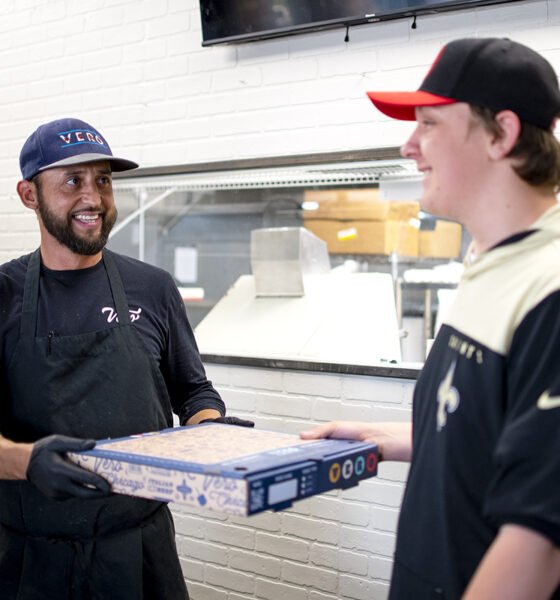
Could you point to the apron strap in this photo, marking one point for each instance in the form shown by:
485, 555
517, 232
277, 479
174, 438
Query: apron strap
117, 288
28, 321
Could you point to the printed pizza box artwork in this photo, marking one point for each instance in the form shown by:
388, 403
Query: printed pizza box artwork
231, 469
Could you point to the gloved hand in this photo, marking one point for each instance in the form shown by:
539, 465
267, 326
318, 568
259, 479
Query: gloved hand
57, 477
230, 421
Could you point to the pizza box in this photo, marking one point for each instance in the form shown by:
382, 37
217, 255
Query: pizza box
227, 468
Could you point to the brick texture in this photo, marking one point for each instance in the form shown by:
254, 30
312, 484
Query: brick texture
334, 546
137, 71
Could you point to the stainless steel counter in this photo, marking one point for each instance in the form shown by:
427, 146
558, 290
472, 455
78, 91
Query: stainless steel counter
394, 370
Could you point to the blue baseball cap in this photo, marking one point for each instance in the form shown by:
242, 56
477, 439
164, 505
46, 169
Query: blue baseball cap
66, 142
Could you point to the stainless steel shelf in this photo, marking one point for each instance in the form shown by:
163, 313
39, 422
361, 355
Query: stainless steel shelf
334, 174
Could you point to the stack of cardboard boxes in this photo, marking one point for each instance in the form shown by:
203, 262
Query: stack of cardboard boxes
443, 241
357, 221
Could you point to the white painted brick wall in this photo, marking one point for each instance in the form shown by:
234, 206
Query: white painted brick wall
136, 69
334, 546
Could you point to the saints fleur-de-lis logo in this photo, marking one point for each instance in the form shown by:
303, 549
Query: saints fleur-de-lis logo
447, 397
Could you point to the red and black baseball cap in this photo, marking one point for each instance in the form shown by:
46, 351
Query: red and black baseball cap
495, 73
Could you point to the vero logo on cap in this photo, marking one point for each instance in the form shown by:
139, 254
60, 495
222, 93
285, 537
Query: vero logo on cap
74, 137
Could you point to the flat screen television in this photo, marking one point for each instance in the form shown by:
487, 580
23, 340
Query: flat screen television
228, 21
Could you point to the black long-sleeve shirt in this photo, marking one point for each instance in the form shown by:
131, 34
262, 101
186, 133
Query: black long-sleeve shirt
80, 301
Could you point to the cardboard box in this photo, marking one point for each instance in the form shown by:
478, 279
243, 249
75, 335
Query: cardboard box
366, 237
231, 469
357, 204
442, 242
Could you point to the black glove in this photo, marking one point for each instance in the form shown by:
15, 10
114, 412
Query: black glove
230, 421
57, 477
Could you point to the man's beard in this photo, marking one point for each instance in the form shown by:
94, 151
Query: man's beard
61, 229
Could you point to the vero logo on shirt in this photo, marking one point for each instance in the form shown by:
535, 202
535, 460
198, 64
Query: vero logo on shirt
112, 314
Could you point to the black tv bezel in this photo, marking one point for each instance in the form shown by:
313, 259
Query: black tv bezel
444, 6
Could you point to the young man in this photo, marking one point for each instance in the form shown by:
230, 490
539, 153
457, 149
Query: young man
480, 518
93, 345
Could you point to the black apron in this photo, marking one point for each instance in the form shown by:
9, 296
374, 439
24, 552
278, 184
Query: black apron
93, 385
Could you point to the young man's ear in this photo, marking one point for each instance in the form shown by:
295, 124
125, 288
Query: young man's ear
510, 126
27, 192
